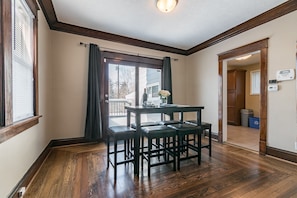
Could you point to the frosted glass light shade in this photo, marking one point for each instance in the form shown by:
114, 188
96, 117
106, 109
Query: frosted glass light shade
166, 5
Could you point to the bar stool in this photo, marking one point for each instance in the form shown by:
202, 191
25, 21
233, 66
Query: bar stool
184, 142
119, 133
167, 149
205, 127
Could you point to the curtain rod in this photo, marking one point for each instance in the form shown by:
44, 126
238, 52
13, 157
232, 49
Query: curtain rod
126, 52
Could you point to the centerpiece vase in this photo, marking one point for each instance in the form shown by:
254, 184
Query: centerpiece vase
163, 101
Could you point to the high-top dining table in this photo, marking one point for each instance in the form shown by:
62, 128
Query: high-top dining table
166, 109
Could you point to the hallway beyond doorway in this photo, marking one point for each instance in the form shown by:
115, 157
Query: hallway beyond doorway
244, 137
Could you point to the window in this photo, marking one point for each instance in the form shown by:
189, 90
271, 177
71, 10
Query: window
18, 69
153, 90
22, 63
255, 82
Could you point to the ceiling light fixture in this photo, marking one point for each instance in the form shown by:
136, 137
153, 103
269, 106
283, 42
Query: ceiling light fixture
166, 5
244, 57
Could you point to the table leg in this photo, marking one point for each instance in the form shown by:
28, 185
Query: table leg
137, 144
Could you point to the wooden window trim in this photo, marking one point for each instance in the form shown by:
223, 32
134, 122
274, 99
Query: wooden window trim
8, 132
8, 129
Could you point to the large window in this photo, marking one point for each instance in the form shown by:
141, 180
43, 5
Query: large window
18, 69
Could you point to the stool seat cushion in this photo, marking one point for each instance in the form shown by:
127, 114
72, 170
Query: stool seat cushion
159, 129
145, 124
121, 129
183, 127
122, 132
168, 122
195, 122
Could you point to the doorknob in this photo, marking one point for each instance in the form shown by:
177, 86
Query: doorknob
106, 95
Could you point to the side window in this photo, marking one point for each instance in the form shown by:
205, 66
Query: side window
18, 67
255, 82
22, 61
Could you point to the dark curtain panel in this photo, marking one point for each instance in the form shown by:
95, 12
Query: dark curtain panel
93, 128
166, 78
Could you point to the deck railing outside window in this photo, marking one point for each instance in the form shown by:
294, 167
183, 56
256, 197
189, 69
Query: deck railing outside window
117, 107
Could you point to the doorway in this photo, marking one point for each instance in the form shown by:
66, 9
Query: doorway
243, 101
125, 79
262, 47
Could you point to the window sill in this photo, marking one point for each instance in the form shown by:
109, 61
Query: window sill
10, 131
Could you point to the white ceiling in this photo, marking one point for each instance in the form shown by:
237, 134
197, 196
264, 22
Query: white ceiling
191, 23
254, 59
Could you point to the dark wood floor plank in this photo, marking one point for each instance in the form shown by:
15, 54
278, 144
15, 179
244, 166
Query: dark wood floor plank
80, 171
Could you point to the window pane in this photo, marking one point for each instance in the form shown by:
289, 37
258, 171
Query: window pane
22, 62
255, 82
150, 79
121, 89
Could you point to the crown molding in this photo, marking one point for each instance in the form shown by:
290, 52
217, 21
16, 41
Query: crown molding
54, 24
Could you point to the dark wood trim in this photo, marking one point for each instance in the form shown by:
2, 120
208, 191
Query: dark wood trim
71, 141
2, 86
32, 171
16, 128
8, 128
48, 11
281, 10
7, 61
33, 6
149, 62
282, 154
220, 101
261, 46
35, 66
263, 98
68, 28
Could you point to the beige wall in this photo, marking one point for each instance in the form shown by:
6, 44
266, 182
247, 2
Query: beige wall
18, 153
70, 68
202, 73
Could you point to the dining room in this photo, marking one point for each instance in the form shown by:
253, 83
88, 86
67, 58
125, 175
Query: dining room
48, 153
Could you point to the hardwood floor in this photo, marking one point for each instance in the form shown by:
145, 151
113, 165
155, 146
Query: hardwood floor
80, 171
244, 137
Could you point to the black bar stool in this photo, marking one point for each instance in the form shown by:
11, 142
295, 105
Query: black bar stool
167, 149
185, 143
205, 127
119, 133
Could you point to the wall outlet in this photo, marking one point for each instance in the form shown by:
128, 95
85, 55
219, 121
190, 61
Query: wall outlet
21, 192
295, 145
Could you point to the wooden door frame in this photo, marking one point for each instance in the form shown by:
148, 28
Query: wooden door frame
261, 46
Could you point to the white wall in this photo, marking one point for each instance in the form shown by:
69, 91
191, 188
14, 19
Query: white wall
19, 153
202, 78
